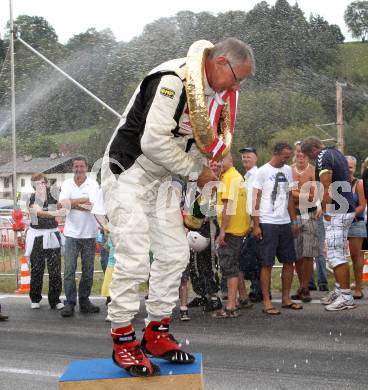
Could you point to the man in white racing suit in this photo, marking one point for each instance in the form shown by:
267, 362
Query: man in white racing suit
153, 141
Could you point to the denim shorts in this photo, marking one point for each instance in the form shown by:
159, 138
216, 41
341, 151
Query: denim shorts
357, 229
277, 241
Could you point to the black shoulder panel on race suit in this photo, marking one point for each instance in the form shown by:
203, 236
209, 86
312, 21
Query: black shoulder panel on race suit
125, 148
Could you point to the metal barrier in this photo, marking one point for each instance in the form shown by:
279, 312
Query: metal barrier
9, 242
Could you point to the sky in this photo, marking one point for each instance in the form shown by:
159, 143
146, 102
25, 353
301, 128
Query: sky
71, 17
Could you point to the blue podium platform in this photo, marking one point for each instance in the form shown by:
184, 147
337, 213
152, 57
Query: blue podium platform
104, 374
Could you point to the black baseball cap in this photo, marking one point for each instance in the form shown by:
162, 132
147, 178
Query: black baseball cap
248, 149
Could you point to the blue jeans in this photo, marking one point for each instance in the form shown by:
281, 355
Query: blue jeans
320, 259
86, 247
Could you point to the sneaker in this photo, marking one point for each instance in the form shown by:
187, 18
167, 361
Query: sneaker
184, 316
67, 310
3, 317
59, 306
127, 353
197, 301
331, 297
341, 303
244, 304
303, 295
213, 304
158, 342
88, 307
35, 305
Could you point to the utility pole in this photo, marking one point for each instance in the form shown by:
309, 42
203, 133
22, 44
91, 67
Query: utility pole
340, 117
14, 186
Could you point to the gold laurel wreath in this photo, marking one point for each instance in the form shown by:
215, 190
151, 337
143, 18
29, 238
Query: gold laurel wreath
203, 132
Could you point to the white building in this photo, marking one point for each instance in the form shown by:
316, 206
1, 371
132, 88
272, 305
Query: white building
56, 169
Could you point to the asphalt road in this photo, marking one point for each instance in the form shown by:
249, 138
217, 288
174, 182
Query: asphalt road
307, 349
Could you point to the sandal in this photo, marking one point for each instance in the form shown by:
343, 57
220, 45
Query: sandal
226, 314
292, 306
358, 296
271, 311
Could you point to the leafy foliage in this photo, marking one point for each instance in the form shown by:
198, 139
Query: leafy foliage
298, 60
356, 18
39, 145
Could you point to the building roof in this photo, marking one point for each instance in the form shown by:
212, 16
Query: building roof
36, 164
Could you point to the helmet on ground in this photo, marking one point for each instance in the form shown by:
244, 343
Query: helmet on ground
197, 242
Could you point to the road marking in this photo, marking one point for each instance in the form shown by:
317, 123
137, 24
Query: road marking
26, 296
97, 298
10, 370
312, 301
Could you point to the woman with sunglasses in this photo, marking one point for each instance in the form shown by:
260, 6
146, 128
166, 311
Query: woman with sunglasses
43, 243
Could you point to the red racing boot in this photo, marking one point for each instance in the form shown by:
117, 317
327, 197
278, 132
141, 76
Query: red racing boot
127, 353
158, 342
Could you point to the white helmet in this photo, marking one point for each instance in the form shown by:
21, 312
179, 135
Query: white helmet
197, 242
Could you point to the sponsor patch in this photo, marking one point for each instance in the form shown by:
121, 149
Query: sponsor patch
167, 92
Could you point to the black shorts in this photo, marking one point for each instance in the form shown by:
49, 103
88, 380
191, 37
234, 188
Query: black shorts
277, 241
229, 256
249, 263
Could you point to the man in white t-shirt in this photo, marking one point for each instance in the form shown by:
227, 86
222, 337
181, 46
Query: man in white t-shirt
80, 233
275, 224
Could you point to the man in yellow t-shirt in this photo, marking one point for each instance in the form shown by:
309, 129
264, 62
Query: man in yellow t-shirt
234, 222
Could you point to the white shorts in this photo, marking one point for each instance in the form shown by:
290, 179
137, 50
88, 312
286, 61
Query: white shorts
336, 237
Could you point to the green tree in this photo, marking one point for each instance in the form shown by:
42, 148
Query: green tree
356, 18
356, 138
262, 113
322, 49
2, 51
39, 145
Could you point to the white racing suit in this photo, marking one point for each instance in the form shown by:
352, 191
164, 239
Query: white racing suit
153, 140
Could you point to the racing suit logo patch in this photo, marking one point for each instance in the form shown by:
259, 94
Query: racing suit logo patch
167, 92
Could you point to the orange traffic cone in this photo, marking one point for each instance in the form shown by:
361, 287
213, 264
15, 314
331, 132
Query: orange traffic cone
25, 277
365, 269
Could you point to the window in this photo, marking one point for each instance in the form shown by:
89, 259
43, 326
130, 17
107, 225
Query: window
6, 182
22, 182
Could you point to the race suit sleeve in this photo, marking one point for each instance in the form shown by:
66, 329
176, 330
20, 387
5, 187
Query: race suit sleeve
157, 142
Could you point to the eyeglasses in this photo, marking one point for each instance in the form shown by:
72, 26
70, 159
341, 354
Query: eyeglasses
237, 81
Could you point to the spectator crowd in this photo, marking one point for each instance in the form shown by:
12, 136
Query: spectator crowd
302, 215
